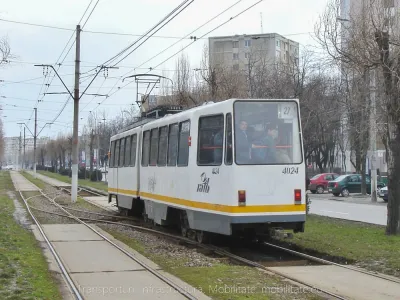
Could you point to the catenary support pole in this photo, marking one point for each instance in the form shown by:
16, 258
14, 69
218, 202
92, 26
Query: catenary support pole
34, 145
23, 161
19, 151
75, 141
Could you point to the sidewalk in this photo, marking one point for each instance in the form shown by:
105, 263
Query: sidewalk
51, 181
98, 269
99, 201
21, 184
353, 198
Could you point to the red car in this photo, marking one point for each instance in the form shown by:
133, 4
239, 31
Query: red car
319, 183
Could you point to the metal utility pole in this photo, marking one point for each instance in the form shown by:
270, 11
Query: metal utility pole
34, 144
75, 141
19, 150
374, 186
23, 161
76, 97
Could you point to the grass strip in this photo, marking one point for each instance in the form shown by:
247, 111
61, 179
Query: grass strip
24, 272
365, 245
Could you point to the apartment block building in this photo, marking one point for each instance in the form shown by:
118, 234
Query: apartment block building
238, 51
13, 144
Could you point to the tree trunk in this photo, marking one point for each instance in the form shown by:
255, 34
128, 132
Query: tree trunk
363, 176
393, 161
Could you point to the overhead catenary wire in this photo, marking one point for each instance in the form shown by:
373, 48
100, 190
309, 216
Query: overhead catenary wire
87, 19
217, 27
181, 9
114, 33
210, 20
189, 34
109, 61
230, 19
170, 16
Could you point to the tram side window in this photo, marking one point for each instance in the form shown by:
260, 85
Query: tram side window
146, 148
211, 139
228, 141
154, 147
116, 156
127, 151
122, 153
133, 150
172, 145
112, 154
183, 146
162, 146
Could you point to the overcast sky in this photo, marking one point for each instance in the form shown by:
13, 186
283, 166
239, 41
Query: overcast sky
23, 82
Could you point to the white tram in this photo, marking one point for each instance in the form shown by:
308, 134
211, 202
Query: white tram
233, 167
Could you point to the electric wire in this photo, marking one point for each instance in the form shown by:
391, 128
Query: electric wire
189, 34
148, 32
154, 33
215, 28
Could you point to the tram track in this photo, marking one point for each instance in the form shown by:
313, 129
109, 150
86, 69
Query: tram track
217, 250
211, 248
62, 266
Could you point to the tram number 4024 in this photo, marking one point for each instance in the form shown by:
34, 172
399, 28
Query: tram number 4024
292, 170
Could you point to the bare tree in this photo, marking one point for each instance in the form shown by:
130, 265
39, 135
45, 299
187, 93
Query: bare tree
367, 43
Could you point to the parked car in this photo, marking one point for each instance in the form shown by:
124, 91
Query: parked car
384, 194
346, 184
319, 183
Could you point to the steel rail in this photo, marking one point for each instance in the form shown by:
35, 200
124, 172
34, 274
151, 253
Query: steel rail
59, 262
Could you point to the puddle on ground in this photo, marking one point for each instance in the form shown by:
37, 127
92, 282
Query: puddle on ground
20, 214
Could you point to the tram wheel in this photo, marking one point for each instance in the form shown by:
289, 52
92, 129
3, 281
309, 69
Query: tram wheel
202, 237
184, 224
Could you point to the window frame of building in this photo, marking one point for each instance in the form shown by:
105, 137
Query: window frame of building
235, 44
247, 43
235, 56
202, 129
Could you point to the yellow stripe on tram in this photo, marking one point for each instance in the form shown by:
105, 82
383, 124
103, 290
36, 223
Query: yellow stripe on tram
218, 207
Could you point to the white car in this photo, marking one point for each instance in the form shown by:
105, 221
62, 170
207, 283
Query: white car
383, 193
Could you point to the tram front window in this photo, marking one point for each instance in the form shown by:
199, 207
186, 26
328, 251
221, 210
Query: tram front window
267, 133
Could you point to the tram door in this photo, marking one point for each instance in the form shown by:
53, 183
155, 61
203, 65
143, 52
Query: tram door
117, 160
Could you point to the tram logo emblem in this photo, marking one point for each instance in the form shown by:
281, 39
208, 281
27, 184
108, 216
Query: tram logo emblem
203, 187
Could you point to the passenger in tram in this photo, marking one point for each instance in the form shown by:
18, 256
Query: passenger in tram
264, 149
243, 149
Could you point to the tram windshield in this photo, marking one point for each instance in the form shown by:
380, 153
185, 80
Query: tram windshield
267, 133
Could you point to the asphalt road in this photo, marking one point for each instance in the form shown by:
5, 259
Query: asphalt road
355, 209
